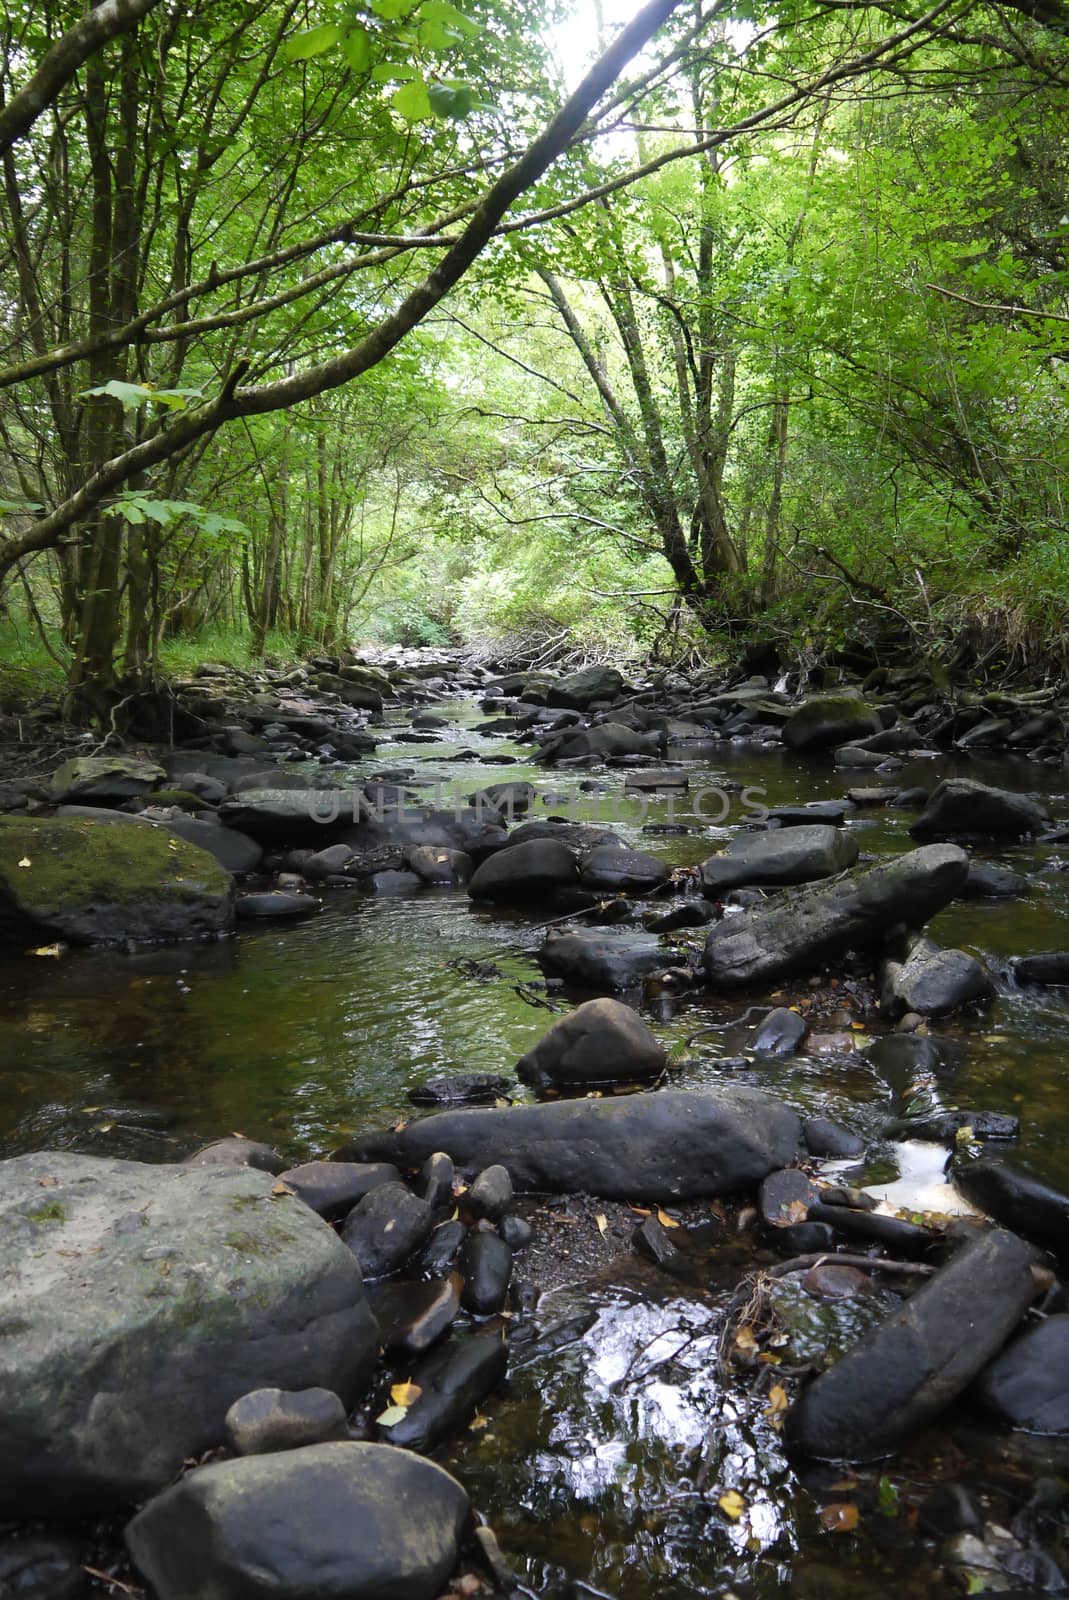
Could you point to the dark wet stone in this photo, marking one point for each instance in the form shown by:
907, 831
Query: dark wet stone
605, 961
438, 865
413, 1316
490, 1195
691, 914
663, 1145
602, 1041
580, 689
942, 1127
1017, 1200
275, 903
900, 1238
832, 812
825, 1137
785, 1197
516, 1232
932, 982
463, 1088
391, 881
986, 881
1052, 967
485, 1264
40, 1566
781, 856
323, 1519
651, 1238
831, 1282
799, 1239
333, 1188
903, 1059
912, 1366
1027, 1386
441, 1248
826, 720
781, 1034
326, 863
237, 1152
387, 1227
437, 1178
950, 1508
800, 929
453, 1381
525, 871
284, 1419
960, 806
628, 871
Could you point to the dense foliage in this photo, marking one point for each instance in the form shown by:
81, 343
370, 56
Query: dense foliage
350, 322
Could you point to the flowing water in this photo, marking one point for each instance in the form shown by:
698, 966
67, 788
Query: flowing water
596, 1464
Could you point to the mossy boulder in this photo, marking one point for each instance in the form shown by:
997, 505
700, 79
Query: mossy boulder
138, 1302
826, 720
86, 882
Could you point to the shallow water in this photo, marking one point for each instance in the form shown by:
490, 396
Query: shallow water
301, 1034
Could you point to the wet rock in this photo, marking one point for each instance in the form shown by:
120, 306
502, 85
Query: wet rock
516, 1232
690, 914
277, 1419
413, 1316
87, 882
1027, 1386
506, 799
960, 806
933, 982
602, 1041
1052, 967
943, 1127
606, 741
826, 720
785, 1197
622, 871
950, 1508
910, 1368
525, 871
276, 903
437, 1179
831, 812
869, 1227
39, 1566
224, 1287
904, 1059
490, 1195
235, 852
105, 780
440, 1251
670, 1144
387, 1227
433, 865
1017, 1200
329, 862
799, 1239
825, 1137
605, 961
453, 1381
784, 855
463, 1088
850, 757
580, 689
800, 929
987, 881
323, 1519
276, 816
831, 1282
237, 1152
391, 881
650, 782
485, 1264
333, 1188
651, 1238
781, 1034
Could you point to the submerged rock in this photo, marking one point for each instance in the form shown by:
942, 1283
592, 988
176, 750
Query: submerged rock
800, 929
781, 1033
962, 806
87, 882
138, 1303
605, 961
910, 1368
669, 1144
1051, 967
326, 1520
602, 1041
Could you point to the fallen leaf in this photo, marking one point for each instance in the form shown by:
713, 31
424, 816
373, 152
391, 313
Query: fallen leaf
773, 1361
478, 1422
55, 950
391, 1416
102, 1127
603, 1224
640, 1211
47, 1183
282, 1188
778, 1403
841, 1517
732, 1504
25, 862
665, 1220
405, 1394
744, 1339
797, 1211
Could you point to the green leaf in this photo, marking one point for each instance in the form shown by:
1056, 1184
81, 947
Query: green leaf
130, 395
447, 101
356, 48
13, 507
393, 10
413, 102
303, 46
442, 11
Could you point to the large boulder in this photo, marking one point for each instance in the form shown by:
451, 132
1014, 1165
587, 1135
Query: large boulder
580, 689
342, 1521
800, 929
607, 740
1017, 1200
908, 1369
962, 806
608, 868
105, 779
1027, 1386
234, 851
825, 720
664, 1145
525, 871
91, 883
294, 816
932, 982
783, 855
137, 1303
603, 1041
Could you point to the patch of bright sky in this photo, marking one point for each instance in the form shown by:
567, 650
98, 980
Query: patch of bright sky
575, 40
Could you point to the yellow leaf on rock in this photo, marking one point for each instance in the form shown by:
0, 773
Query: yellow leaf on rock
665, 1220
55, 950
744, 1339
839, 1518
281, 1188
391, 1416
405, 1394
603, 1224
25, 862
778, 1403
478, 1422
732, 1504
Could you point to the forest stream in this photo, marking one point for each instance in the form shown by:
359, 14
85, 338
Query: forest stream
607, 1463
